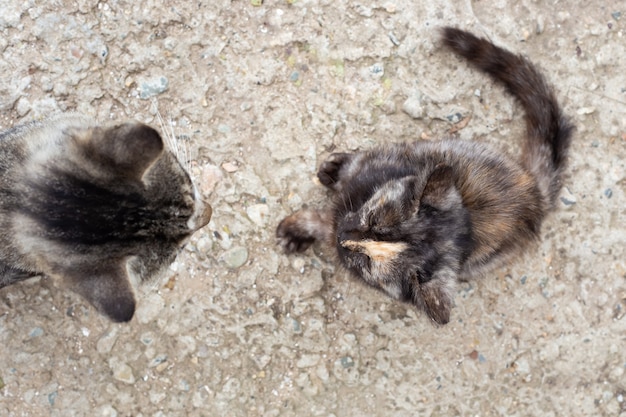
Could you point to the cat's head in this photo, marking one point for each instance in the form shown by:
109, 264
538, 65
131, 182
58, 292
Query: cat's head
408, 239
106, 208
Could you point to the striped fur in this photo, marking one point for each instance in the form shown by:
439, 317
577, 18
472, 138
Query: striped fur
98, 207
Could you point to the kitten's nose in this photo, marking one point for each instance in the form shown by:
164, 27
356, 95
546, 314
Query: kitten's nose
205, 217
350, 235
201, 216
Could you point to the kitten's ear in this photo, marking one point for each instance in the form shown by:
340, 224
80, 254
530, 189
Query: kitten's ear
437, 300
106, 287
440, 191
131, 147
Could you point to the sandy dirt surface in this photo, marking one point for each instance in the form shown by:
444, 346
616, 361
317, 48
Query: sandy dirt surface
262, 94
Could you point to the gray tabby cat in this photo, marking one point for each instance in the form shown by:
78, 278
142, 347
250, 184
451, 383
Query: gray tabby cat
99, 208
414, 219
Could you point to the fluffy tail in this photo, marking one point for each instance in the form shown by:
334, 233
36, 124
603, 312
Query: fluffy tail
549, 131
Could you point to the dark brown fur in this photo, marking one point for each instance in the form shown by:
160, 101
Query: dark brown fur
98, 208
413, 219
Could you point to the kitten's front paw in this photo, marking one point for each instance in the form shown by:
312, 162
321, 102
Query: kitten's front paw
291, 237
328, 173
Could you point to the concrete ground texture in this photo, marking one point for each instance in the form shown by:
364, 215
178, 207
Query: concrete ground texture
262, 92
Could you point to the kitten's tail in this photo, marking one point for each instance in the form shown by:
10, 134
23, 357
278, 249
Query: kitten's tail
549, 131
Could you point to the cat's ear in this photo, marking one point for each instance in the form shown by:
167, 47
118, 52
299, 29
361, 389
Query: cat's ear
440, 191
107, 287
130, 147
437, 300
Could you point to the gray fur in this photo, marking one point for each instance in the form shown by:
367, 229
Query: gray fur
97, 207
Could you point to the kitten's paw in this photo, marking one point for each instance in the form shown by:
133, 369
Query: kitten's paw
291, 236
328, 173
438, 299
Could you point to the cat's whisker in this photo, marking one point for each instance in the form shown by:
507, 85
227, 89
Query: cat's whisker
343, 203
168, 140
179, 147
175, 141
350, 201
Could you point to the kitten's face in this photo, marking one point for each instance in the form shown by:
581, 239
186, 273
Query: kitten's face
406, 239
374, 241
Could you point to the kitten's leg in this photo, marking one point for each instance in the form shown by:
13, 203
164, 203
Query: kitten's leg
298, 231
329, 171
436, 297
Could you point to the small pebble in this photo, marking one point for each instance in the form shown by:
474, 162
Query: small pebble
160, 359
308, 360
522, 366
235, 257
377, 70
36, 332
295, 325
540, 25
525, 35
616, 15
146, 339
608, 193
393, 39
258, 213
586, 110
183, 385
23, 106
52, 397
413, 107
107, 341
210, 177
229, 167
150, 308
347, 362
364, 10
122, 371
153, 87
107, 411
454, 118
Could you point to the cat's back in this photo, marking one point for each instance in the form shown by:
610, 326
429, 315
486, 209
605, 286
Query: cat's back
502, 198
24, 150
28, 149
478, 167
12, 151
35, 142
468, 159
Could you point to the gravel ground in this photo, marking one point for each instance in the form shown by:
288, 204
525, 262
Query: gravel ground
262, 93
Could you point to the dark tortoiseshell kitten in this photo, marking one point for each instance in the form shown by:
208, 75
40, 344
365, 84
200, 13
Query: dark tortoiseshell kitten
414, 219
99, 208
